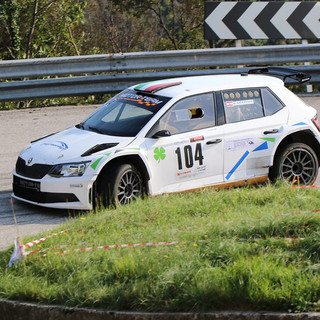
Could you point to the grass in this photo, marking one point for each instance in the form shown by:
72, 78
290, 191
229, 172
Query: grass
233, 253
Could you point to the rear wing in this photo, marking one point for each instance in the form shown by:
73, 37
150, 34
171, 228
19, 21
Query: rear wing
283, 73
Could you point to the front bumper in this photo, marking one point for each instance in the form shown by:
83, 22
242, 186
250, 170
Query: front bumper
62, 193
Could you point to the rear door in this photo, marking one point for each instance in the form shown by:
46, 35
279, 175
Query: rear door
254, 123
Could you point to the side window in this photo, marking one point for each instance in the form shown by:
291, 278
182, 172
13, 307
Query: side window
192, 113
270, 103
242, 104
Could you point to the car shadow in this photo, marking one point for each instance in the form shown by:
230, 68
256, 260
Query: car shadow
13, 212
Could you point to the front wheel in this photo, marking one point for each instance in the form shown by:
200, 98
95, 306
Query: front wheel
120, 185
297, 164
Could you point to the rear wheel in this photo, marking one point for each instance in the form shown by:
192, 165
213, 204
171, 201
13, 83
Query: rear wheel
297, 164
120, 185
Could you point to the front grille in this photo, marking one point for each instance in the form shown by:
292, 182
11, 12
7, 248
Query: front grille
30, 190
36, 171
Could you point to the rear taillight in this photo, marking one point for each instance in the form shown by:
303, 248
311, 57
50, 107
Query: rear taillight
315, 121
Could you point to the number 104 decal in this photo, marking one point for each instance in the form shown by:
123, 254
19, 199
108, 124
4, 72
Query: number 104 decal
186, 158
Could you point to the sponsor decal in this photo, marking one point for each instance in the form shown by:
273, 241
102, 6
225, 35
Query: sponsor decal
155, 85
237, 165
59, 144
237, 144
269, 139
200, 169
239, 103
263, 146
76, 185
159, 154
299, 124
183, 173
140, 99
95, 163
200, 138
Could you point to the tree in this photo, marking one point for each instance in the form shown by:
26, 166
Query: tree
114, 28
10, 43
44, 28
58, 29
144, 25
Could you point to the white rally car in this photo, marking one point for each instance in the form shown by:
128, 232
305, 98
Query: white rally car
176, 135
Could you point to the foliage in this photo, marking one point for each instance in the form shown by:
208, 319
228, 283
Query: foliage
46, 28
34, 28
136, 25
10, 28
237, 249
52, 28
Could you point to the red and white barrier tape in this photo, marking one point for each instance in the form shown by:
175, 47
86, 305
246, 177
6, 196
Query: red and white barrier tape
148, 244
296, 213
19, 250
305, 187
32, 243
270, 239
54, 248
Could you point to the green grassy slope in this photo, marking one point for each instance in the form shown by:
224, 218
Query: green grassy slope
238, 249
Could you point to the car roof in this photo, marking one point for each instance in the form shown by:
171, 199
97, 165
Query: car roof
199, 84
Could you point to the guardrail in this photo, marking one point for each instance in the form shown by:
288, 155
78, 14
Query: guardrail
112, 73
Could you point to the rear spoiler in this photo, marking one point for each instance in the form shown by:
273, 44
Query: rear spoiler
283, 73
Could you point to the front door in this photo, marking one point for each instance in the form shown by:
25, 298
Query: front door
192, 156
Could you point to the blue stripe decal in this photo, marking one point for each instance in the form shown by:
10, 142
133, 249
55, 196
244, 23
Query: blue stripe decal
299, 124
263, 146
237, 165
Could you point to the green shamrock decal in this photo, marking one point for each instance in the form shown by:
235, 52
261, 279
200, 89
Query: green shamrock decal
159, 154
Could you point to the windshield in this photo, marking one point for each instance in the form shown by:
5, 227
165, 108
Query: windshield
125, 114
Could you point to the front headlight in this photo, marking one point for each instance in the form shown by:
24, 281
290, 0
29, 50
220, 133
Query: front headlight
69, 169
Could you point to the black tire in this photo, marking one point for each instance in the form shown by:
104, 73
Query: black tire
297, 164
119, 185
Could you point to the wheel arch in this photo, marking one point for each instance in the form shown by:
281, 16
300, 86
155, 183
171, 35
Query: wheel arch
133, 159
305, 136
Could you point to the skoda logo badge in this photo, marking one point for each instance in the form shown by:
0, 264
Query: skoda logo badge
29, 161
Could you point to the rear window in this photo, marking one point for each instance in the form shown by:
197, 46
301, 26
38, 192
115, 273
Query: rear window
270, 102
242, 104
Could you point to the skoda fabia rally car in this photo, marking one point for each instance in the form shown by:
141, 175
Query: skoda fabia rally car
176, 135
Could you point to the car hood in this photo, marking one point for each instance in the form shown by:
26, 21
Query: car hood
69, 145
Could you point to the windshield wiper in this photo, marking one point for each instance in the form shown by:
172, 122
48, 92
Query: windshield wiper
80, 126
96, 130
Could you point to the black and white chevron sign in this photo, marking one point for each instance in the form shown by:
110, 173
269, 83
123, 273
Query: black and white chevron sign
262, 20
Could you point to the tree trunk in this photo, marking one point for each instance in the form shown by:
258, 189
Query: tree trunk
33, 24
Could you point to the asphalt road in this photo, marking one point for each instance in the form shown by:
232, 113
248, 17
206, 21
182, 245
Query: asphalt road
17, 129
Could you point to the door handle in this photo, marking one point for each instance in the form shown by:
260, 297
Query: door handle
214, 141
271, 131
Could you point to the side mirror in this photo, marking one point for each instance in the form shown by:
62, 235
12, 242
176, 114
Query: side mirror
161, 134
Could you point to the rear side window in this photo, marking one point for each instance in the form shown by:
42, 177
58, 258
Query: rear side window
242, 104
270, 102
